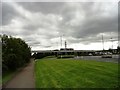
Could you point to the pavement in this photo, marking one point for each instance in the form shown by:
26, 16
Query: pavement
23, 79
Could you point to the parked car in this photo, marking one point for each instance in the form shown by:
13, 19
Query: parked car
107, 56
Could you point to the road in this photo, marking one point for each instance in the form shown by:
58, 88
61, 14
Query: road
114, 58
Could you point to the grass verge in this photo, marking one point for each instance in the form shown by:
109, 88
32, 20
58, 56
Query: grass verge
7, 76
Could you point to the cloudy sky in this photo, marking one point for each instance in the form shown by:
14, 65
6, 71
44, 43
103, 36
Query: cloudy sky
81, 24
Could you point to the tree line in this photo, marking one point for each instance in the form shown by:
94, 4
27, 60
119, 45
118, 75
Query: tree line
42, 55
15, 53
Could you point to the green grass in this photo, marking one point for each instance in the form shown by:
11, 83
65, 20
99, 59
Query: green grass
7, 76
75, 74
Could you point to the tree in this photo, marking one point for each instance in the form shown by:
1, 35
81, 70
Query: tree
15, 53
118, 49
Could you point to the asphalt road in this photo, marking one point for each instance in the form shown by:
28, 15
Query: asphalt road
114, 58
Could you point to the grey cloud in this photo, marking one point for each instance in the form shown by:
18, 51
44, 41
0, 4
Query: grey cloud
31, 27
85, 31
119, 23
93, 24
8, 13
35, 43
0, 14
94, 39
44, 7
10, 32
37, 40
97, 26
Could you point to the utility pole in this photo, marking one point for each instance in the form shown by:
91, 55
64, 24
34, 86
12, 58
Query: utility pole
103, 42
61, 43
65, 44
65, 48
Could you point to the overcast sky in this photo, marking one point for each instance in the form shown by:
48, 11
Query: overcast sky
81, 24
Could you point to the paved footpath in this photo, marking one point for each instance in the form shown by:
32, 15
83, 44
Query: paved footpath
24, 79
